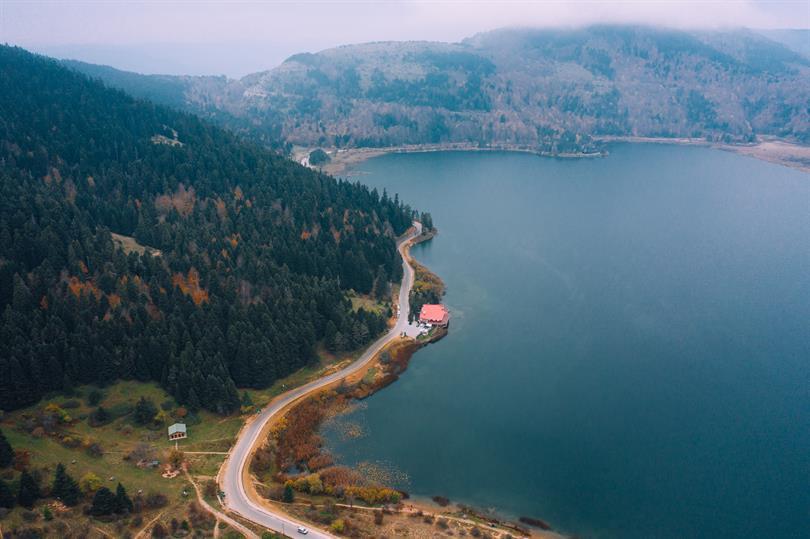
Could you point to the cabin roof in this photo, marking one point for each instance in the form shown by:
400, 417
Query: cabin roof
433, 312
177, 427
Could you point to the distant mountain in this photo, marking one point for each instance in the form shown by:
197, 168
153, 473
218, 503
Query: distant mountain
164, 89
795, 39
549, 90
203, 96
141, 242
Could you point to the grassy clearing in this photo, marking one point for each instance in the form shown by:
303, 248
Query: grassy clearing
117, 438
368, 303
209, 434
130, 245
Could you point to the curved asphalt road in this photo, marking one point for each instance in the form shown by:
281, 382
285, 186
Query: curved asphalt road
236, 498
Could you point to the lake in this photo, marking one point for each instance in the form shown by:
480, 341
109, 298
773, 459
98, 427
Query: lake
629, 353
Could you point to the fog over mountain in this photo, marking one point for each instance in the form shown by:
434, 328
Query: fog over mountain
547, 90
236, 38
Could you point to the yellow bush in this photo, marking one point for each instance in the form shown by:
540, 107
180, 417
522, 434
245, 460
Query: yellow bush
338, 526
279, 427
301, 484
374, 495
90, 483
60, 414
315, 484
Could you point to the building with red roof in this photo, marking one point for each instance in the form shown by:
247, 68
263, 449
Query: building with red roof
434, 314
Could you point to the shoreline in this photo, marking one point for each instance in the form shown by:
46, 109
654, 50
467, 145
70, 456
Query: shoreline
378, 367
357, 388
344, 158
370, 382
238, 490
769, 149
338, 396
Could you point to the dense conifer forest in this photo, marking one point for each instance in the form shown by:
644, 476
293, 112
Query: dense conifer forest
240, 263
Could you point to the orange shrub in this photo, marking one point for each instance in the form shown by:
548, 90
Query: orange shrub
374, 495
190, 286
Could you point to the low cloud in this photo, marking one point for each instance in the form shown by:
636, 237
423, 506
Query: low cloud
274, 29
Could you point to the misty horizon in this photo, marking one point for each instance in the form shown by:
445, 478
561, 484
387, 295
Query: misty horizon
193, 59
238, 38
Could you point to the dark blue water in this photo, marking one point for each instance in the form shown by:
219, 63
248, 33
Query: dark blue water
629, 353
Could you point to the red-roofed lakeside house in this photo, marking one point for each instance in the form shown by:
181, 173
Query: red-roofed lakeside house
434, 314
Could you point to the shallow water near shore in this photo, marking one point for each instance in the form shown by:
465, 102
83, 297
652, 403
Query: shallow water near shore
629, 354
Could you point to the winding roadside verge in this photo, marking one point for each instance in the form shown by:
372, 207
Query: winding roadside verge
233, 478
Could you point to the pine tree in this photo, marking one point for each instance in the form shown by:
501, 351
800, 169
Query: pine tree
193, 401
427, 221
122, 502
94, 397
382, 288
29, 490
65, 487
6, 452
339, 344
329, 334
145, 411
101, 415
289, 495
104, 502
231, 396
6, 495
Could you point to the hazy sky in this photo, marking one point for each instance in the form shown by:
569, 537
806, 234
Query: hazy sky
236, 38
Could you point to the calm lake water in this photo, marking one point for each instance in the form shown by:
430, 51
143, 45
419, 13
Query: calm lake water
629, 353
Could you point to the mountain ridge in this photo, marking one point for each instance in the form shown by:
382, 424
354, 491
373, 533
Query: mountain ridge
550, 90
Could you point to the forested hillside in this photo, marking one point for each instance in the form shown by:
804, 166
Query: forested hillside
249, 255
199, 95
548, 90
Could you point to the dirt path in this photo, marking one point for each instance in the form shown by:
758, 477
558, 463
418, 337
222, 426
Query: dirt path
102, 532
219, 515
148, 525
